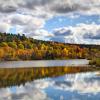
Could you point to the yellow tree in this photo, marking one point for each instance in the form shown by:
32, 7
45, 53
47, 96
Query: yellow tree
64, 52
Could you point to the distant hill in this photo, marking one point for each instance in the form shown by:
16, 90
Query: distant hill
19, 47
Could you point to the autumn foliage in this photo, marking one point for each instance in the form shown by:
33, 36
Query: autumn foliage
19, 47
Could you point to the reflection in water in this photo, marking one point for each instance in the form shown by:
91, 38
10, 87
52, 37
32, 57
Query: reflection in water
71, 86
17, 76
23, 93
81, 86
83, 83
84, 86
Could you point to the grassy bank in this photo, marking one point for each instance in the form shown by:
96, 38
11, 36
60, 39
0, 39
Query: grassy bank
95, 61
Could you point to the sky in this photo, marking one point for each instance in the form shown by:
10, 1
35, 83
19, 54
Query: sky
69, 21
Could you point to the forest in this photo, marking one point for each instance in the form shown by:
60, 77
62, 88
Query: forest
19, 47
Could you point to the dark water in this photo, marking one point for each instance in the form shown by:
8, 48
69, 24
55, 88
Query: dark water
70, 86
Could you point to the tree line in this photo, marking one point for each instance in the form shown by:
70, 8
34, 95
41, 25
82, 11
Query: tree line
20, 47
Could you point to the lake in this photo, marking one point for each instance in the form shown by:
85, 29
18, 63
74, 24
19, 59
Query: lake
65, 80
43, 63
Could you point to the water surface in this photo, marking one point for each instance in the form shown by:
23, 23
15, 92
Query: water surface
80, 86
44, 63
49, 83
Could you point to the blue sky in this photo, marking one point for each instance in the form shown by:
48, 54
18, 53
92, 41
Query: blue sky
65, 21
68, 21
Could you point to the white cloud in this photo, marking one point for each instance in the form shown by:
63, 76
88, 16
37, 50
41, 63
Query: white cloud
82, 33
62, 31
45, 8
48, 8
4, 27
64, 6
40, 34
73, 16
29, 17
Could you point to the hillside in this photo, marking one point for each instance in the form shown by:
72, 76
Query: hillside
19, 47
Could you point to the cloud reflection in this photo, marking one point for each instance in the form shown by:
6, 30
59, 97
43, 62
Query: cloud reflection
82, 83
73, 87
27, 92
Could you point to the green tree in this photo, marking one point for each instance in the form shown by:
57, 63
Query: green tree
3, 44
12, 44
20, 46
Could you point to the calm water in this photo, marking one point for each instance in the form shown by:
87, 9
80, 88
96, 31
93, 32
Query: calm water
84, 86
79, 86
44, 63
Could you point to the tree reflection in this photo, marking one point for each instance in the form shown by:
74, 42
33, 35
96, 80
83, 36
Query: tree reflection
18, 76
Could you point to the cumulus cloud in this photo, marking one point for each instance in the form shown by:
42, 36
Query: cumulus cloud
51, 6
26, 24
54, 6
40, 34
8, 6
19, 19
44, 8
62, 32
82, 33
29, 17
4, 27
